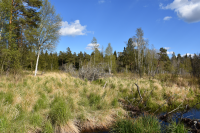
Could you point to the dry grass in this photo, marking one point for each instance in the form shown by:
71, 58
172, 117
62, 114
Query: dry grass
27, 101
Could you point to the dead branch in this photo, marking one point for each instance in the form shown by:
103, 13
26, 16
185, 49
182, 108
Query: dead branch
138, 89
104, 85
164, 103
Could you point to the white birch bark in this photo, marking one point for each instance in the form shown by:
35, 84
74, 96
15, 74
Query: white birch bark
37, 61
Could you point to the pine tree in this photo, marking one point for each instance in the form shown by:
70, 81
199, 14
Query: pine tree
130, 51
69, 56
16, 17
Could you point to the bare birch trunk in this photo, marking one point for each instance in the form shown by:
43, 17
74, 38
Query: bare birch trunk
37, 61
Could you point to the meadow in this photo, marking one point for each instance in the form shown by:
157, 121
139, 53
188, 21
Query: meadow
58, 102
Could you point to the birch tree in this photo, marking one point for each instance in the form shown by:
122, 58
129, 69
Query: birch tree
141, 44
47, 35
110, 58
95, 46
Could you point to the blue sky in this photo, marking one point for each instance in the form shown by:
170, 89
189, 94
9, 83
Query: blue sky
174, 24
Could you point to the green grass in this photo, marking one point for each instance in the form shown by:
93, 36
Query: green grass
42, 102
8, 97
60, 111
94, 100
47, 128
144, 124
173, 127
45, 104
36, 120
114, 103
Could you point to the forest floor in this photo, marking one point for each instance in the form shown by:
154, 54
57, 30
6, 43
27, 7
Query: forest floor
58, 102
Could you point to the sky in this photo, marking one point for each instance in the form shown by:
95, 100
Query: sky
172, 24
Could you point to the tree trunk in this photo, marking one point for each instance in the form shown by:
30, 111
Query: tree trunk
10, 22
1, 28
37, 61
31, 66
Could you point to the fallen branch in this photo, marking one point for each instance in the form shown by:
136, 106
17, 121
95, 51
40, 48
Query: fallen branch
104, 85
138, 89
164, 103
175, 109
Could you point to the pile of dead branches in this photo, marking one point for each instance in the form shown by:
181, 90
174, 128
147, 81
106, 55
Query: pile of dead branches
92, 73
69, 68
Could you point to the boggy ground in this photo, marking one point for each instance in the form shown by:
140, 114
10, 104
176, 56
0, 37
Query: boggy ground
57, 102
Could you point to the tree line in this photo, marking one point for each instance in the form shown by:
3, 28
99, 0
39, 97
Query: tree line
29, 34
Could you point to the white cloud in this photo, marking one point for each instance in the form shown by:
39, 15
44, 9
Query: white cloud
101, 1
187, 54
188, 10
73, 29
167, 18
91, 46
170, 52
167, 48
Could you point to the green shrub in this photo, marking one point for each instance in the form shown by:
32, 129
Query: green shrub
60, 111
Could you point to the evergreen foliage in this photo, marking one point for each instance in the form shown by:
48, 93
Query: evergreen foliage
27, 32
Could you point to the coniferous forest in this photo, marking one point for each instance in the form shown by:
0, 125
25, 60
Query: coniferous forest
26, 31
146, 80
